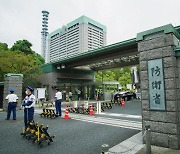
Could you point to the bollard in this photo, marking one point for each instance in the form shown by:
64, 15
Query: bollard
148, 139
75, 104
99, 103
79, 100
86, 104
98, 107
104, 148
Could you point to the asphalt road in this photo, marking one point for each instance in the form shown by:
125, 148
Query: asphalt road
130, 108
72, 136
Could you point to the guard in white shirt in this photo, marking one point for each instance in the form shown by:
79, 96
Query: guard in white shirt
12, 103
29, 104
58, 97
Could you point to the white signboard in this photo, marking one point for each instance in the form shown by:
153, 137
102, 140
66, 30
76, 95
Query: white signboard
40, 93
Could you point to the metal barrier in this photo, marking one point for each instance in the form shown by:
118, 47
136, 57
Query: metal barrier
87, 103
99, 105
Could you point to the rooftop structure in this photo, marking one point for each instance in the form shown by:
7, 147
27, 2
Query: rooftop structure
78, 36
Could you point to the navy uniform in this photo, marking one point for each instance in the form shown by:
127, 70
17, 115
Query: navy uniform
29, 104
58, 97
12, 103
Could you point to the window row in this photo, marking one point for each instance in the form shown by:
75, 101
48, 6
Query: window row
73, 44
69, 34
72, 30
92, 25
95, 31
73, 26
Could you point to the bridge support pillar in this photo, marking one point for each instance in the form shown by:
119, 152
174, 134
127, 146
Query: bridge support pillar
160, 80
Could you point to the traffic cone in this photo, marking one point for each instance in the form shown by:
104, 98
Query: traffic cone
91, 112
122, 102
66, 116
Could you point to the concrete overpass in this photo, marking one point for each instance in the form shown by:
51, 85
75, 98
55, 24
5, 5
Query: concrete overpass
112, 56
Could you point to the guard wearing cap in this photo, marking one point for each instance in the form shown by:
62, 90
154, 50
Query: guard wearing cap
12, 103
58, 97
29, 103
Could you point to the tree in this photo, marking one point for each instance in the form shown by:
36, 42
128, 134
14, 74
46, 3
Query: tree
38, 58
109, 76
125, 79
3, 46
21, 59
123, 75
23, 46
98, 76
18, 62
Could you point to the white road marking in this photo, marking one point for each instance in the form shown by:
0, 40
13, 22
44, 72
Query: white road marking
122, 115
107, 121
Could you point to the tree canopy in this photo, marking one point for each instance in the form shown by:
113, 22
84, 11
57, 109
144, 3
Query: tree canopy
20, 59
23, 46
123, 75
3, 46
16, 62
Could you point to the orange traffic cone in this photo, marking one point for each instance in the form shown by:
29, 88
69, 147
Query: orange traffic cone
122, 102
91, 112
66, 116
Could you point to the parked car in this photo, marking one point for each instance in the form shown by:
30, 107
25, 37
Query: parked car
126, 95
116, 97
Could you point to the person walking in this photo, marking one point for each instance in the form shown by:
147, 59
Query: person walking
29, 104
79, 94
12, 103
58, 97
70, 96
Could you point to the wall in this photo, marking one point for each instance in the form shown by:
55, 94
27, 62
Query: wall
13, 81
164, 124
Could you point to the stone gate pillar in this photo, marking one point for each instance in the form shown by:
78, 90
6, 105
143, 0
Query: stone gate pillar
160, 85
13, 81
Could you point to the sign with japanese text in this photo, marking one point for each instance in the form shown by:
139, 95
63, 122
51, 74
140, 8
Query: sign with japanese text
156, 85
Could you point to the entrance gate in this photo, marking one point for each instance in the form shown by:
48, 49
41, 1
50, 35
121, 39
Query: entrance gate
158, 53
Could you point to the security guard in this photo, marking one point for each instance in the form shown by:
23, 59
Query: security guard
58, 97
12, 103
29, 103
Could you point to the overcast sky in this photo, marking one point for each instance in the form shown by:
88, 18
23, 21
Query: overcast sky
21, 19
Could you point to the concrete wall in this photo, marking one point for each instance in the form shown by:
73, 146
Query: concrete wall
165, 125
12, 81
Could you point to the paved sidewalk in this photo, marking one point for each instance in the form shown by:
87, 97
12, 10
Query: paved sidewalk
159, 150
129, 146
134, 145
